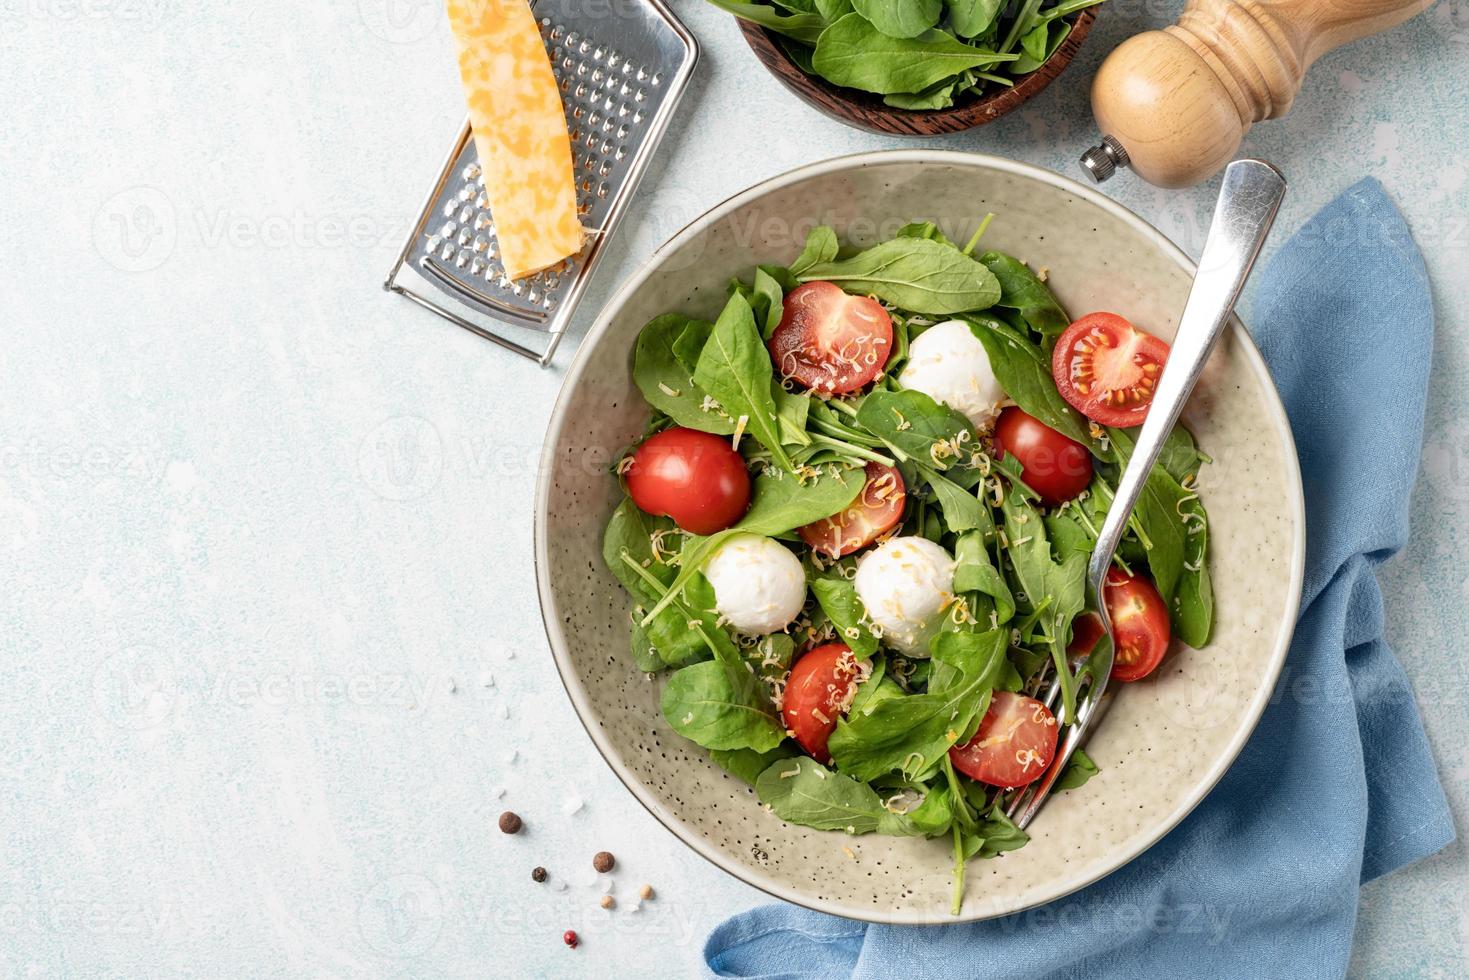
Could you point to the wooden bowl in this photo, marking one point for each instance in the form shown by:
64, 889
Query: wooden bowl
864, 110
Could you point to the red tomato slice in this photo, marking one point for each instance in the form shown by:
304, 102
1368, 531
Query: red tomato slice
694, 477
1139, 624
830, 341
876, 511
1054, 466
818, 691
1015, 742
1107, 369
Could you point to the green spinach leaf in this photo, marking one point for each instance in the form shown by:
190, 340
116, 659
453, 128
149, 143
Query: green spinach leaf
900, 18
837, 597
1024, 372
911, 733
854, 53
971, 18
805, 28
666, 382
915, 274
1022, 291
734, 367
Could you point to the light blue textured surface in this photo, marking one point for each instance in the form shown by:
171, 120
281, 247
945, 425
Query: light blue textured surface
255, 513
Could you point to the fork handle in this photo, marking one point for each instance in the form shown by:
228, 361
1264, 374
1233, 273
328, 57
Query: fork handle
1245, 211
1248, 202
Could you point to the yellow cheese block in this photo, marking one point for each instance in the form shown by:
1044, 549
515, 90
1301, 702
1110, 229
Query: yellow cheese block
520, 133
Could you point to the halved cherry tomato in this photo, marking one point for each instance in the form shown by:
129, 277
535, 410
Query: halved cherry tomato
1107, 369
1015, 742
1086, 630
877, 510
829, 340
818, 692
1139, 624
1054, 466
694, 477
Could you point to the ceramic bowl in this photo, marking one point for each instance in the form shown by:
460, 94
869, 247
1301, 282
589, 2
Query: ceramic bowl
1166, 741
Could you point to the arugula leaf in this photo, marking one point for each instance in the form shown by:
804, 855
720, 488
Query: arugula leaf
629, 532
769, 308
918, 275
974, 572
1057, 589
645, 656
963, 511
1159, 516
854, 53
1024, 371
924, 229
837, 597
802, 791
1080, 769
1180, 456
747, 764
734, 367
913, 424
710, 704
997, 834
913, 732
821, 246
900, 18
1039, 44
1022, 291
1192, 611
940, 95
665, 381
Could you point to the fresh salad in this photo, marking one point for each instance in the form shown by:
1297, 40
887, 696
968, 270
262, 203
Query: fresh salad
916, 54
857, 527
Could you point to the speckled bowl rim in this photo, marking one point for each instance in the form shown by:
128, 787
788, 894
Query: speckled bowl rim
559, 418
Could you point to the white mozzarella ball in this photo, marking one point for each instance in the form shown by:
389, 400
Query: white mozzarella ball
949, 364
759, 586
905, 583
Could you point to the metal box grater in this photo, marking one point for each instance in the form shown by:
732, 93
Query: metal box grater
622, 66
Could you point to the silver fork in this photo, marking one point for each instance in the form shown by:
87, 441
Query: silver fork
1248, 202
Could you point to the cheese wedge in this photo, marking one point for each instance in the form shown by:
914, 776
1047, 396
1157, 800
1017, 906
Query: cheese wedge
520, 133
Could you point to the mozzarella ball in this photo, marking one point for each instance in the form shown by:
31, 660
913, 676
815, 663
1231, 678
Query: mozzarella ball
905, 584
759, 586
949, 364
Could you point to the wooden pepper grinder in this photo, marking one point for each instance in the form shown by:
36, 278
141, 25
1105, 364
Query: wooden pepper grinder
1174, 104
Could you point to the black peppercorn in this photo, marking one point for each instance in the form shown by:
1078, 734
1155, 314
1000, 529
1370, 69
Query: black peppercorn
538, 874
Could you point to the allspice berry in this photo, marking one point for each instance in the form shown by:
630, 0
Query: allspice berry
510, 822
604, 862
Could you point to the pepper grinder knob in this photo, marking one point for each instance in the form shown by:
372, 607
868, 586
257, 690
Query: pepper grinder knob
1102, 160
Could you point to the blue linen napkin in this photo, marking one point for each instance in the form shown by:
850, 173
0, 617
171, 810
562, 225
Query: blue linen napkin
1336, 786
